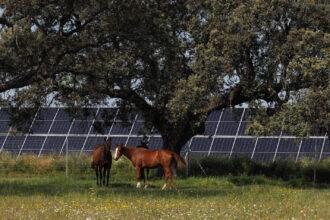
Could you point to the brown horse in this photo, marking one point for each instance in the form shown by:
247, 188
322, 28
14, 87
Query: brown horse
102, 161
144, 175
143, 158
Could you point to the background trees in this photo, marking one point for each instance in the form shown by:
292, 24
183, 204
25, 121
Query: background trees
175, 61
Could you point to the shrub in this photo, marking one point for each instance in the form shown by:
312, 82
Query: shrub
295, 172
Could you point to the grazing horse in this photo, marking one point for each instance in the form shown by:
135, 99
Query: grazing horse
144, 175
102, 161
143, 158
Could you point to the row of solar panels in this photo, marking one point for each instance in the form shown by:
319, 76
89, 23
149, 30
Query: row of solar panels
60, 114
119, 128
262, 149
58, 121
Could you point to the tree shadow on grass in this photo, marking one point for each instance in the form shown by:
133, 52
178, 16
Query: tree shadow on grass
295, 183
55, 187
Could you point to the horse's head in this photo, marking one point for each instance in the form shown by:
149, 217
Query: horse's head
108, 143
118, 151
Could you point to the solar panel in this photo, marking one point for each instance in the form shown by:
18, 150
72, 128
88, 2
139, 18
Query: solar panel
47, 113
266, 145
33, 143
210, 128
60, 127
2, 139
104, 129
201, 144
92, 141
53, 145
311, 148
222, 145
244, 145
63, 115
118, 140
83, 135
326, 148
214, 116
75, 143
138, 128
120, 128
40, 127
4, 114
246, 115
13, 143
4, 126
289, 145
155, 143
234, 114
242, 128
227, 128
134, 141
311, 145
80, 127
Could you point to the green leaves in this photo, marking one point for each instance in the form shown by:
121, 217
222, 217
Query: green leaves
173, 60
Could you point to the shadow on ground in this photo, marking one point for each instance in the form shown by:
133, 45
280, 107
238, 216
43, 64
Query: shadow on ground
62, 187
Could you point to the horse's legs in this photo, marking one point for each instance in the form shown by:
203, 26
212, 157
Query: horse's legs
100, 174
108, 174
97, 174
104, 174
168, 174
146, 184
138, 177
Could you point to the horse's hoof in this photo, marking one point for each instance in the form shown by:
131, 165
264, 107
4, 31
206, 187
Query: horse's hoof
146, 186
164, 187
138, 185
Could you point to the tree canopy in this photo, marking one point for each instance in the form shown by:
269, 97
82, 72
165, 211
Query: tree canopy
174, 61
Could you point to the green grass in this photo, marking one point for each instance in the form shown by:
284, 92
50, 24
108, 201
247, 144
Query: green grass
55, 197
36, 188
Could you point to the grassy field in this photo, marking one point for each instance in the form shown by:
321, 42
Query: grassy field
36, 188
195, 198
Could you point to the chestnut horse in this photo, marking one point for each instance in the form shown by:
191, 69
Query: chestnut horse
144, 175
142, 158
102, 161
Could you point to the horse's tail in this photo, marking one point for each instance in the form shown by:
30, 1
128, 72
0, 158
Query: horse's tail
178, 158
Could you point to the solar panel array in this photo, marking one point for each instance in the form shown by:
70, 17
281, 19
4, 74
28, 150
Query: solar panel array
53, 129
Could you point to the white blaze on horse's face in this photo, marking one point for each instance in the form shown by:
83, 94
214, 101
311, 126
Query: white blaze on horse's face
116, 154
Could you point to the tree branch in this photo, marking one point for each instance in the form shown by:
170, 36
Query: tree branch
5, 22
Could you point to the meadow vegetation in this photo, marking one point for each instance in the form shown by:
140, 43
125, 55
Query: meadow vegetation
36, 188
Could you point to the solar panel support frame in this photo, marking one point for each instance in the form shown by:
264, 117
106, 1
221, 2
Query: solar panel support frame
322, 148
27, 135
48, 132
130, 132
239, 126
67, 136
114, 119
4, 141
89, 132
278, 142
254, 148
215, 132
298, 153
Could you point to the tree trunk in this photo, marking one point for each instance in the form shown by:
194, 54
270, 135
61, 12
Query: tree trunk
175, 141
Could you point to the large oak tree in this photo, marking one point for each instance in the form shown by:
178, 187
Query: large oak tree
174, 61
